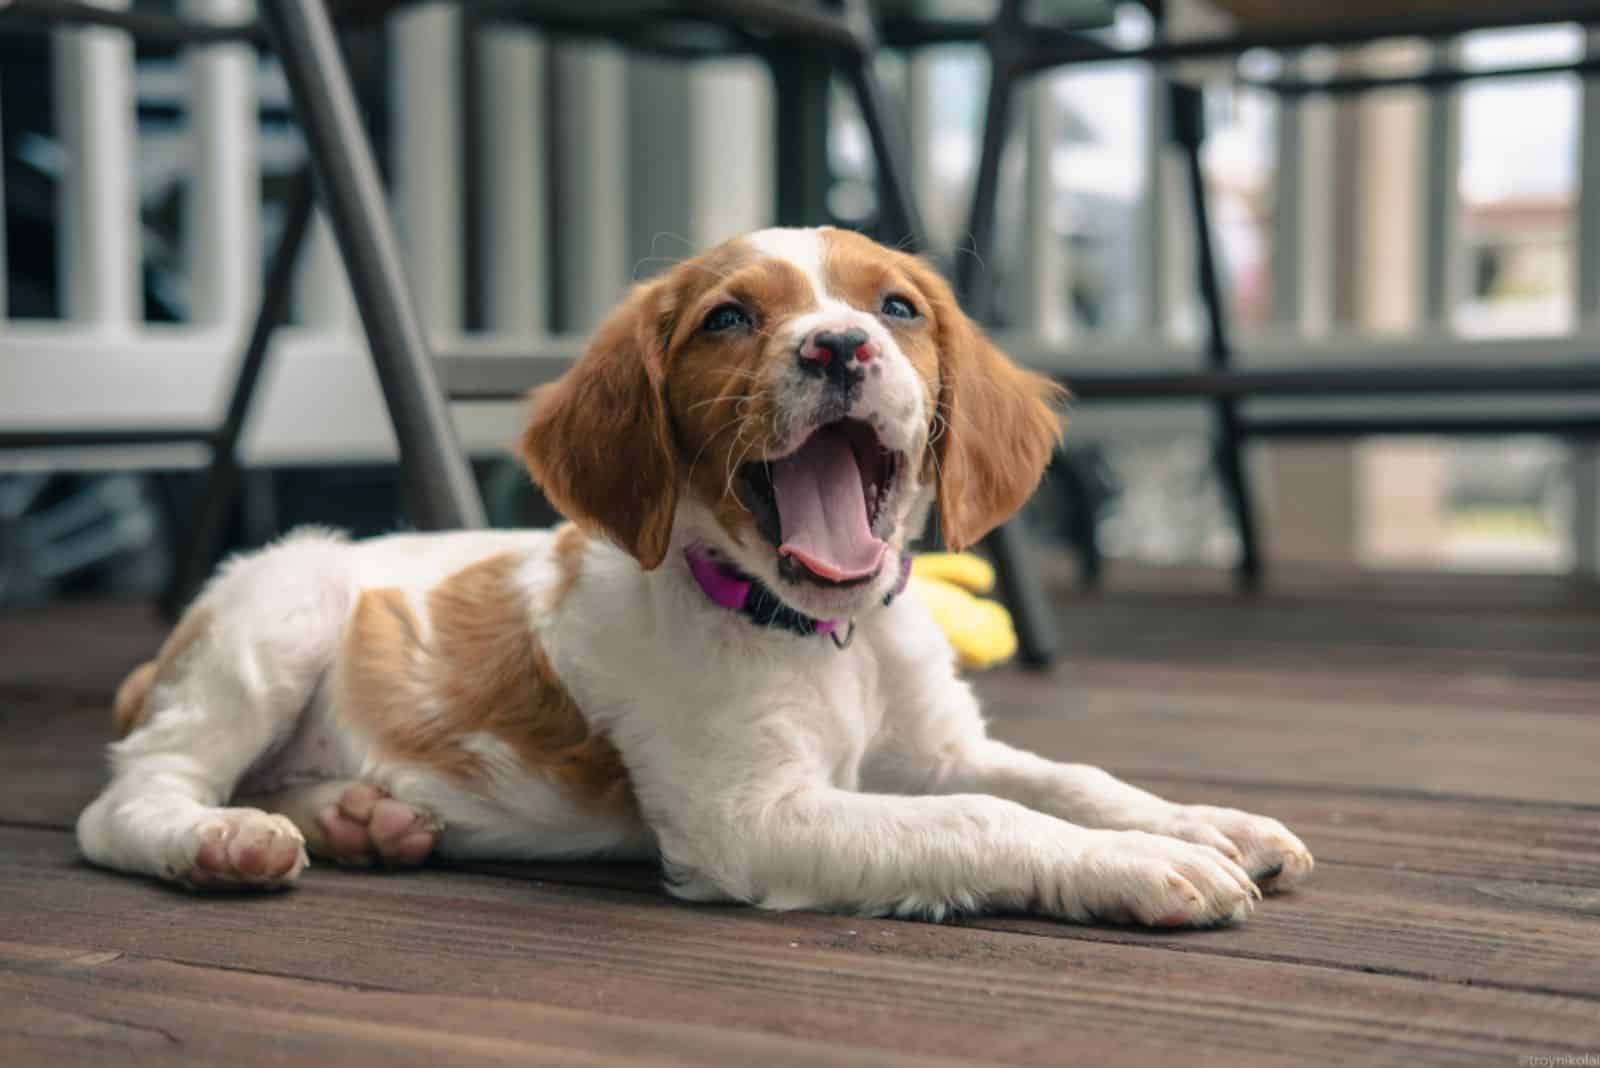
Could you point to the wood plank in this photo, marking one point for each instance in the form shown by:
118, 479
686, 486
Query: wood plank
79, 1006
1291, 738
997, 996
1484, 682
1490, 933
83, 648
1549, 843
1320, 585
1357, 644
52, 759
1179, 623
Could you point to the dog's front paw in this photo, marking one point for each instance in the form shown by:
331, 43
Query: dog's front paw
243, 848
1135, 877
1265, 848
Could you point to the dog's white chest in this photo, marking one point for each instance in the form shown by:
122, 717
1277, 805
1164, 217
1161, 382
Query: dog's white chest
852, 716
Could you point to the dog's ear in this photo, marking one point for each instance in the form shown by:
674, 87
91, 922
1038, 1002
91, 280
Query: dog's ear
995, 430
600, 444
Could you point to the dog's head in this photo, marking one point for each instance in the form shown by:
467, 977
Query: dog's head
795, 399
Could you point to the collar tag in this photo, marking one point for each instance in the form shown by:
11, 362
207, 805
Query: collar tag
849, 635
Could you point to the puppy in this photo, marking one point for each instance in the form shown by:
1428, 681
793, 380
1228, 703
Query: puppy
711, 664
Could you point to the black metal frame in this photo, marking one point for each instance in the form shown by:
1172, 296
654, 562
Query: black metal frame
1017, 50
1047, 46
1187, 116
1553, 378
1045, 49
1012, 47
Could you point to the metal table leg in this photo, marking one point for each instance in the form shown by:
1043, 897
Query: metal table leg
1188, 128
198, 552
441, 492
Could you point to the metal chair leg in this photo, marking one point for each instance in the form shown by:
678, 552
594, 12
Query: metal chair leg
198, 552
1018, 579
441, 492
800, 145
1023, 595
1188, 127
901, 221
974, 281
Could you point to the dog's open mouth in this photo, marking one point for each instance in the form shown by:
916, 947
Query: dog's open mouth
824, 504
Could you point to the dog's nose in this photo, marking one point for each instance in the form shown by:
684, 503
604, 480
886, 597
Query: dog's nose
836, 348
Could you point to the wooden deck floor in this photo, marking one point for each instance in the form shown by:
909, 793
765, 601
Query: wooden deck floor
1438, 746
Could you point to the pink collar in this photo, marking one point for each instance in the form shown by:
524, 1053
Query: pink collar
738, 592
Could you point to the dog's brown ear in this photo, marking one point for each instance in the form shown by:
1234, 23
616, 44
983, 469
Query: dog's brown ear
599, 443
996, 427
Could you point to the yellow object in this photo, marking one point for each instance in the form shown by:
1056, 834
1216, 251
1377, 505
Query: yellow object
978, 628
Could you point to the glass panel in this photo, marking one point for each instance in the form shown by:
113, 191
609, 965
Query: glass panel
1099, 169
1239, 158
1519, 140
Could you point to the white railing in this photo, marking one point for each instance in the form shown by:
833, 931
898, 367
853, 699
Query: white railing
101, 365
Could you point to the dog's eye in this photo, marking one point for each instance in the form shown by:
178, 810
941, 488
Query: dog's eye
898, 308
725, 317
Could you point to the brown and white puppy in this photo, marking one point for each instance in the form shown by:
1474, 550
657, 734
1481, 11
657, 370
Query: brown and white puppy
710, 665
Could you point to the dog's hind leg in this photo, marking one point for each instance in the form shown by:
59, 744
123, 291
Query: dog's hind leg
355, 823
251, 654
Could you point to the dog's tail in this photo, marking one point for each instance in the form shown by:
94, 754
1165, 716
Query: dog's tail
128, 709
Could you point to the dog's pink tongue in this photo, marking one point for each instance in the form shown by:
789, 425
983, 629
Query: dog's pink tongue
822, 512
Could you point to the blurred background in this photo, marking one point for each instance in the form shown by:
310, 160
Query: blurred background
143, 186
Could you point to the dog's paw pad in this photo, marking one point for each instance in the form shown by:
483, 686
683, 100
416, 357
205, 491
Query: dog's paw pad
245, 848
1265, 848
1153, 881
367, 826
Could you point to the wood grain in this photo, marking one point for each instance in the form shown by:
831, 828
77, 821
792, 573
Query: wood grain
79, 1004
982, 993
1443, 749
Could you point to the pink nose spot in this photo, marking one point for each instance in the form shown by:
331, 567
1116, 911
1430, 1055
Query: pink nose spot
845, 344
